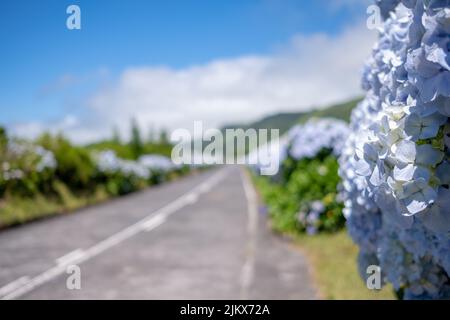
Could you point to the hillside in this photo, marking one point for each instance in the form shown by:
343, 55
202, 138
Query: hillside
284, 121
339, 111
281, 121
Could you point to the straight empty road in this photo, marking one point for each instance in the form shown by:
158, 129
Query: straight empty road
201, 237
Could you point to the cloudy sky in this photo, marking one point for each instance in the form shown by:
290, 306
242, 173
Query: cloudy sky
169, 63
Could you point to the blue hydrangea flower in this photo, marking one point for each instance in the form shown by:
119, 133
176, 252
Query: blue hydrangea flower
395, 164
418, 127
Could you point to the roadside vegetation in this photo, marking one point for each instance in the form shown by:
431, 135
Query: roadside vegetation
51, 175
333, 257
303, 203
331, 253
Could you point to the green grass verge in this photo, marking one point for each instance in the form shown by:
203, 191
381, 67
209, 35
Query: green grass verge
18, 210
334, 267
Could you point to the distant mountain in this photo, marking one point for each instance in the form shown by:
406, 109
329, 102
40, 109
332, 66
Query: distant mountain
284, 121
339, 111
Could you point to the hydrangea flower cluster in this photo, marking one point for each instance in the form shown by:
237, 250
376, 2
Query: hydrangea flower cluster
109, 162
21, 158
310, 219
395, 165
306, 141
47, 159
302, 141
157, 162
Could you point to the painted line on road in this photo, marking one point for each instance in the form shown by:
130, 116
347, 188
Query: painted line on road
13, 285
154, 222
70, 257
79, 256
248, 269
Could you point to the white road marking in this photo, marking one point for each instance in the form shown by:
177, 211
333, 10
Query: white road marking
248, 269
192, 198
154, 222
13, 285
78, 256
205, 187
70, 257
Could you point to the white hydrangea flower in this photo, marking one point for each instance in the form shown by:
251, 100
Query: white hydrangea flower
306, 141
157, 162
108, 162
395, 166
26, 158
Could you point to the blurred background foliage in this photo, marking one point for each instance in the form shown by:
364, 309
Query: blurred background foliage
28, 192
299, 184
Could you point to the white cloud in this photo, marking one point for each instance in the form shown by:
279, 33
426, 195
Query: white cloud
309, 71
70, 125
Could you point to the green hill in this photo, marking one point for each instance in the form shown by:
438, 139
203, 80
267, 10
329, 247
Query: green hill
284, 121
281, 121
339, 111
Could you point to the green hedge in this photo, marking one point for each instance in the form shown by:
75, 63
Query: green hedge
300, 187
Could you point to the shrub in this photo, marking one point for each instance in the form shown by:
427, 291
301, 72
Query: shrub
25, 168
303, 197
58, 176
76, 167
120, 176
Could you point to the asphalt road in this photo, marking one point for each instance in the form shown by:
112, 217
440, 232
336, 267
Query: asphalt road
201, 237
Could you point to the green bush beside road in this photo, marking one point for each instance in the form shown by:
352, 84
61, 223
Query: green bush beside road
51, 175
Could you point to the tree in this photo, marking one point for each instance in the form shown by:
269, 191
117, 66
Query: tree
151, 134
164, 137
3, 139
116, 135
136, 141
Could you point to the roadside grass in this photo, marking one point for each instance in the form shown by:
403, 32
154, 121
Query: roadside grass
334, 267
16, 210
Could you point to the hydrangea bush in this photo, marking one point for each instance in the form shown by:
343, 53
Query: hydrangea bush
51, 175
123, 176
161, 167
155, 162
118, 175
303, 195
308, 140
395, 165
28, 169
25, 167
109, 163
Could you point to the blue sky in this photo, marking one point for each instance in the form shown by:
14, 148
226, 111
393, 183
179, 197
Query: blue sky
48, 71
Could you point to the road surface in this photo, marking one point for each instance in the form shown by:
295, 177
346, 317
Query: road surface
201, 237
